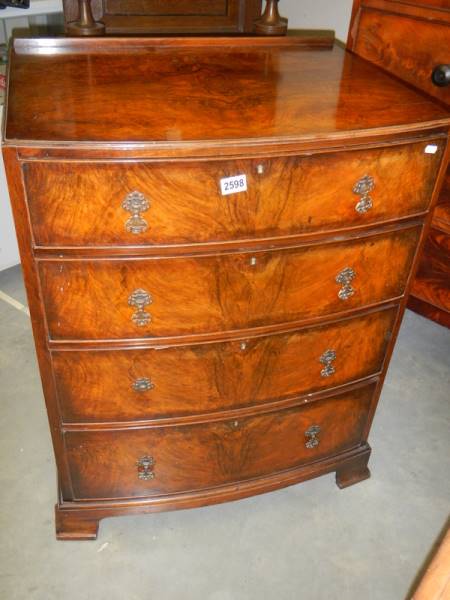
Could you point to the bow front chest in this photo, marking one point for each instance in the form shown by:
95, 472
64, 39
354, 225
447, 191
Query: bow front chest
218, 237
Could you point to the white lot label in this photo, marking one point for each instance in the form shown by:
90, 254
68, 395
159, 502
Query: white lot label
233, 185
431, 149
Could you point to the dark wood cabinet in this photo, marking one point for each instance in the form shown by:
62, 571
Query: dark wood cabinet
143, 17
411, 39
217, 248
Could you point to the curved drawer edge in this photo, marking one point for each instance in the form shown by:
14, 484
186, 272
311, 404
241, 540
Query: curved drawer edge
226, 415
231, 246
222, 336
100, 509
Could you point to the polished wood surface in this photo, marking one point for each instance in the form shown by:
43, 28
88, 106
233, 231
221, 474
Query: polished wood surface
89, 299
408, 47
432, 284
215, 398
190, 457
156, 16
81, 203
97, 385
441, 215
411, 39
283, 92
80, 520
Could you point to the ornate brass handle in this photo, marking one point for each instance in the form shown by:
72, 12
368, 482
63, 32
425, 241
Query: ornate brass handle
145, 467
136, 203
326, 359
362, 188
143, 384
345, 277
140, 299
311, 434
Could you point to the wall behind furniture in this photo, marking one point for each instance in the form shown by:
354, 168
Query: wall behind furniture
9, 253
318, 14
33, 22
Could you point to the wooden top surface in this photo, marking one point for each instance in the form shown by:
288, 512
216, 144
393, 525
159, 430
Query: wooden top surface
199, 89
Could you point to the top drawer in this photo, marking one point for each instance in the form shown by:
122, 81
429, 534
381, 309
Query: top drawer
158, 203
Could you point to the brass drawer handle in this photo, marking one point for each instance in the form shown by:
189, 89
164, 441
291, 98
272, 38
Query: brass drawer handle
362, 188
311, 434
345, 277
136, 203
145, 468
143, 384
326, 359
140, 299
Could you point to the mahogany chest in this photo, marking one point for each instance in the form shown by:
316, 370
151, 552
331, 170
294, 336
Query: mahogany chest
411, 39
218, 238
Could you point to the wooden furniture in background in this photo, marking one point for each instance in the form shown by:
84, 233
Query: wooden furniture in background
435, 583
411, 39
197, 346
138, 17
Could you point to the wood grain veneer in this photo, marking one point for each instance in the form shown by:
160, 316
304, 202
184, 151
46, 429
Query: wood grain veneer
89, 299
410, 39
266, 95
408, 46
432, 285
97, 385
75, 204
193, 457
221, 395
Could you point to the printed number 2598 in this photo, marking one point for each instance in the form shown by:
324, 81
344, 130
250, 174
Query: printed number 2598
233, 185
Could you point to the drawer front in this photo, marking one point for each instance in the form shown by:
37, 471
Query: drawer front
85, 204
110, 299
127, 385
407, 46
164, 460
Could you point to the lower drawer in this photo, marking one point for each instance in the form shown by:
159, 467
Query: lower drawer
165, 382
163, 460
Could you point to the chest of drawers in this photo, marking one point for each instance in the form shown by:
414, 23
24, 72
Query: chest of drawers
195, 346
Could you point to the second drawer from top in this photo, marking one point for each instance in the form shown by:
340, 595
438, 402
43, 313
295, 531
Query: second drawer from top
97, 299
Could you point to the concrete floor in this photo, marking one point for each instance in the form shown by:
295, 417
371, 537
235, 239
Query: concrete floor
308, 542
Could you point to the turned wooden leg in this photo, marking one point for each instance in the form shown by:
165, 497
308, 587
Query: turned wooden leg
354, 470
86, 25
270, 22
74, 525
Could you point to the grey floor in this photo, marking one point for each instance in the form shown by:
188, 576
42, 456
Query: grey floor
309, 542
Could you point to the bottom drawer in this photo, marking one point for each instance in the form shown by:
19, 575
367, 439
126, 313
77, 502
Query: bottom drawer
154, 461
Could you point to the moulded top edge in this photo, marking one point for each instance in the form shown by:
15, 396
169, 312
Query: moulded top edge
235, 147
295, 38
